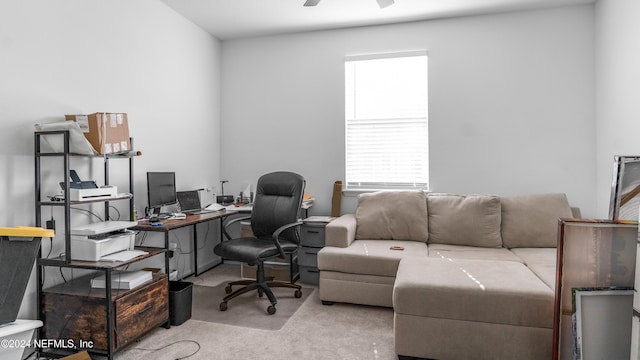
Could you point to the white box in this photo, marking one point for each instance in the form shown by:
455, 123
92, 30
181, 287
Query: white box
88, 249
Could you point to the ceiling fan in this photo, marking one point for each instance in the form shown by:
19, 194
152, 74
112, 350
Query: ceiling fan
381, 3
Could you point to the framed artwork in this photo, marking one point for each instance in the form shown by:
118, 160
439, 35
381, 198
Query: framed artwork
625, 188
591, 254
602, 319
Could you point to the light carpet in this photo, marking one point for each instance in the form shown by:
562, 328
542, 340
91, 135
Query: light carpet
246, 310
314, 332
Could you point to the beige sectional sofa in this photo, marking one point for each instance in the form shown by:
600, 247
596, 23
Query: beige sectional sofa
468, 276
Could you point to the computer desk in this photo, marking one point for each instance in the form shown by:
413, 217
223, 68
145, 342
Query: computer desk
190, 220
194, 220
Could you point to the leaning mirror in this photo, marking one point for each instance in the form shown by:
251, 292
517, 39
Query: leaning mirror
625, 188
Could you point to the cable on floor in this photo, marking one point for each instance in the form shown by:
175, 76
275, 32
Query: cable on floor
171, 344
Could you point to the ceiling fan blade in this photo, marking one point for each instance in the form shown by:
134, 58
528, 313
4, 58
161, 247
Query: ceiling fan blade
311, 2
384, 3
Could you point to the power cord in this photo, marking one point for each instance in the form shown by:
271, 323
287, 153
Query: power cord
171, 344
56, 198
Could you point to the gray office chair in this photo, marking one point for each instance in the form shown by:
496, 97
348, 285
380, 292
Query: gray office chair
275, 219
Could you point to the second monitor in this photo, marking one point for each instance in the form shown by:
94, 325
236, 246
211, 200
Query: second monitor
161, 190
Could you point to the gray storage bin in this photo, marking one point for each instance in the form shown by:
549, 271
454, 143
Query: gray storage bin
308, 256
309, 275
312, 235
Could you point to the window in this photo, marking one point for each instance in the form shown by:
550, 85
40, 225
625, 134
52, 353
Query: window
386, 122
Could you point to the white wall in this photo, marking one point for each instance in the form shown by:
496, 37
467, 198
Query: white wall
511, 103
617, 89
81, 56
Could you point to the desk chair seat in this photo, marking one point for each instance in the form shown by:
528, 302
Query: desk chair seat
275, 219
252, 250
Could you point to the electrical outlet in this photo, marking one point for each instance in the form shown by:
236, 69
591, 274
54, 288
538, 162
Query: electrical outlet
173, 246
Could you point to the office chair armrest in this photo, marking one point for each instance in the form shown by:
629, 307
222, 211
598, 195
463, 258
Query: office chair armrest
276, 235
235, 220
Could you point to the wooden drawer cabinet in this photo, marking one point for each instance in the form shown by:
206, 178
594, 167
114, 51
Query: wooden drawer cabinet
76, 311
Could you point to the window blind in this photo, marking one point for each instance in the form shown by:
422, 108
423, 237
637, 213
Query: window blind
386, 122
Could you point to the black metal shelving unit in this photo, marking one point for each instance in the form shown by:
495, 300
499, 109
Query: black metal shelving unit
65, 261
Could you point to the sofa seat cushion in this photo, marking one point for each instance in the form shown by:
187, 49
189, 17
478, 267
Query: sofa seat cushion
499, 292
532, 220
356, 288
542, 261
472, 220
369, 257
529, 256
393, 215
471, 252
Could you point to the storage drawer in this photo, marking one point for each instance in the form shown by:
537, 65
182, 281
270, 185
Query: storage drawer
74, 310
308, 256
140, 311
312, 235
309, 275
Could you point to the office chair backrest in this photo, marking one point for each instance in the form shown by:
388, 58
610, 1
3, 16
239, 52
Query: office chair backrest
277, 202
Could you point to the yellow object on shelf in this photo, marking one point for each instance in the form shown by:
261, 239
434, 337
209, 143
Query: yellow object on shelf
27, 231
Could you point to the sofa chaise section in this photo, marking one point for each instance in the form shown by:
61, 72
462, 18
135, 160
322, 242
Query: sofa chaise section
471, 309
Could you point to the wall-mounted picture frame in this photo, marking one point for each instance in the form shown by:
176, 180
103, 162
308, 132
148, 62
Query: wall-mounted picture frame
602, 322
625, 188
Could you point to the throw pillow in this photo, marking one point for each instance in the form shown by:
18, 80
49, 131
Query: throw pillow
472, 220
392, 215
532, 220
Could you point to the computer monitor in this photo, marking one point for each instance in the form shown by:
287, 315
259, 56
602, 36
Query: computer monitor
161, 190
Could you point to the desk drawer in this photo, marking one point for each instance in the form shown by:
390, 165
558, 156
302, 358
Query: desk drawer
308, 256
312, 235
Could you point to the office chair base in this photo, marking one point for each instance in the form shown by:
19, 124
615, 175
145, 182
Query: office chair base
228, 289
262, 288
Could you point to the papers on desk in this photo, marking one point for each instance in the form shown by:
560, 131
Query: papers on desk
123, 279
307, 201
123, 255
239, 208
214, 207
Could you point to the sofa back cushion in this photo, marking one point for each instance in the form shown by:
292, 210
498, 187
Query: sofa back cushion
392, 215
532, 220
472, 220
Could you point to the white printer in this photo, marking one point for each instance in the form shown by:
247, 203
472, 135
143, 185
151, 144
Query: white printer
93, 241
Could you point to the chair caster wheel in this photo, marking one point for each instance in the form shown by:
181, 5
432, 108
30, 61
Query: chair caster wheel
271, 310
227, 289
223, 306
298, 294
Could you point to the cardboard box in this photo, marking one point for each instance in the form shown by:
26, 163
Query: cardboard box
108, 133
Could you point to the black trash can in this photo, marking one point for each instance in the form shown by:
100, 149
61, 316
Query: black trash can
180, 296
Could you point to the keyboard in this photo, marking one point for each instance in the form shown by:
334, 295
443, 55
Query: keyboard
157, 218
